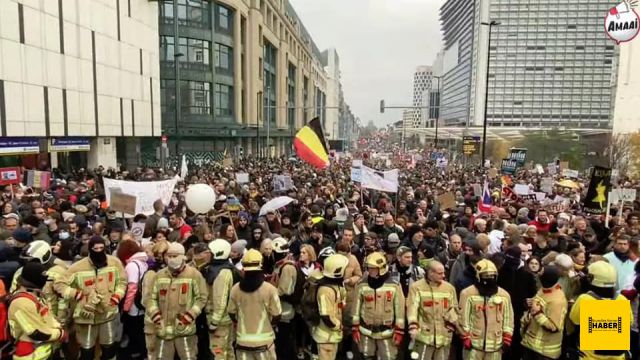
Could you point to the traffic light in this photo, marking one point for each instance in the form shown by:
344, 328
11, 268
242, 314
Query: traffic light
381, 106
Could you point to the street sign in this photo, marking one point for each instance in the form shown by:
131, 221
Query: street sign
470, 145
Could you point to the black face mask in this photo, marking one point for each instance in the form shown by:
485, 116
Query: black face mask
98, 258
487, 287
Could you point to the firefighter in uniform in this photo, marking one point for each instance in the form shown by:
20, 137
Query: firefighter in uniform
221, 277
96, 284
32, 325
254, 306
603, 280
284, 279
178, 296
331, 302
158, 250
487, 315
378, 320
542, 326
432, 313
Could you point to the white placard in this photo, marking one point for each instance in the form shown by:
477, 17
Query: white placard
540, 169
570, 173
356, 163
521, 189
146, 192
626, 195
242, 178
477, 189
540, 196
137, 230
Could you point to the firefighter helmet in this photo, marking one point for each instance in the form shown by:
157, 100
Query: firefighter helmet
378, 261
280, 245
335, 266
37, 250
220, 249
252, 260
602, 274
485, 269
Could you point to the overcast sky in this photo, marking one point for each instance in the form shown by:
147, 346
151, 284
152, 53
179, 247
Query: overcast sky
380, 43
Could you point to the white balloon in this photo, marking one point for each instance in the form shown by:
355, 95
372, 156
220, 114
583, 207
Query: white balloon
200, 198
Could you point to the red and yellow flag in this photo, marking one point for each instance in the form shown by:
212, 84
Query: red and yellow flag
311, 146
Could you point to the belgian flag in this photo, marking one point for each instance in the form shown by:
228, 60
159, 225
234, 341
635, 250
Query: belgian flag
311, 146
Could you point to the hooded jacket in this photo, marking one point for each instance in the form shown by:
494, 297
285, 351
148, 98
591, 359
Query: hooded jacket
136, 268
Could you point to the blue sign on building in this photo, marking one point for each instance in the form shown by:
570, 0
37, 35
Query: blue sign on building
19, 145
70, 144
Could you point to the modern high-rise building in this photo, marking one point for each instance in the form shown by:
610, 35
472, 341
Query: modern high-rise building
249, 72
545, 68
421, 83
79, 82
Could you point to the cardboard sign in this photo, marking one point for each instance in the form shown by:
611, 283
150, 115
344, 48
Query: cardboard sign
570, 173
521, 189
540, 196
493, 173
242, 178
282, 183
447, 201
137, 230
540, 169
123, 203
546, 185
9, 175
564, 165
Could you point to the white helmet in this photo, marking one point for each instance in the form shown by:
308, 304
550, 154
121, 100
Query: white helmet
280, 245
37, 250
220, 249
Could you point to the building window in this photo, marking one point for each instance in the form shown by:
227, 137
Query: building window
194, 13
194, 51
224, 100
195, 97
269, 70
305, 98
224, 15
224, 57
291, 96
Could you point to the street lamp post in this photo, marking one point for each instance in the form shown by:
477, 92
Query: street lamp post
486, 90
435, 143
268, 122
176, 63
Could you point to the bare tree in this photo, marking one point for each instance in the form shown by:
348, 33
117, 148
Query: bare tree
618, 152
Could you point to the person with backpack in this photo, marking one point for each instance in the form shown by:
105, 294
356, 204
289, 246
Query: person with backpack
378, 319
289, 280
330, 300
32, 325
254, 307
132, 311
221, 276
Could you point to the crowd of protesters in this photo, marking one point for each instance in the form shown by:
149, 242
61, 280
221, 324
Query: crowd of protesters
520, 251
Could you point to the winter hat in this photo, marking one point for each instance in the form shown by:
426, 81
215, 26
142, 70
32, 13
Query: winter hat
549, 277
514, 251
564, 261
22, 235
393, 241
95, 239
162, 223
239, 246
33, 275
243, 215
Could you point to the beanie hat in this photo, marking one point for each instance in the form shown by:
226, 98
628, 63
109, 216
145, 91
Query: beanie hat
22, 235
549, 277
393, 241
564, 261
239, 246
162, 223
33, 275
95, 239
176, 249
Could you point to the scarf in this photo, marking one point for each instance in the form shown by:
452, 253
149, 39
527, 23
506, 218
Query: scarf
621, 256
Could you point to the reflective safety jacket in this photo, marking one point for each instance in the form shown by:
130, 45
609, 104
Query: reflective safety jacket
284, 279
331, 303
218, 302
379, 311
254, 312
542, 332
147, 287
28, 315
174, 295
100, 284
434, 309
574, 316
486, 320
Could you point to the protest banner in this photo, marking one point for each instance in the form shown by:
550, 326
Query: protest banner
519, 155
508, 166
9, 175
146, 192
242, 178
595, 202
380, 180
447, 201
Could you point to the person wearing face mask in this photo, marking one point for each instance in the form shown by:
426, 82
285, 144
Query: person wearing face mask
432, 314
178, 296
97, 283
155, 264
542, 326
521, 285
221, 276
379, 312
33, 326
486, 310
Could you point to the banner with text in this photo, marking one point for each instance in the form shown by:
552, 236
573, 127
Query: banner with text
146, 192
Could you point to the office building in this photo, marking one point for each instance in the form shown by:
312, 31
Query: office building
331, 62
76, 79
546, 68
250, 75
421, 82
